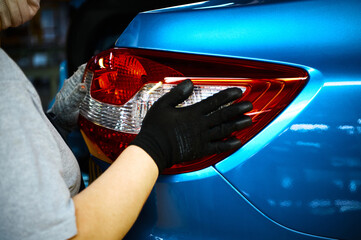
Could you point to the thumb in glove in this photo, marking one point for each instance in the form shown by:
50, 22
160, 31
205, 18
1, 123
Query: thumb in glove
65, 110
173, 135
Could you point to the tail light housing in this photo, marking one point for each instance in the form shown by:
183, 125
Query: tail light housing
124, 83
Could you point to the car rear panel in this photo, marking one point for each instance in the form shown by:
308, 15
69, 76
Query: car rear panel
301, 174
203, 205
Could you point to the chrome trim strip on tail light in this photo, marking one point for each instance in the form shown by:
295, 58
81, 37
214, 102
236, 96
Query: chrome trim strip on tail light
128, 118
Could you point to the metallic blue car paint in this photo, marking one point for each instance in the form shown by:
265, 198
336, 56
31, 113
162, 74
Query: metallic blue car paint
304, 170
203, 207
312, 33
310, 173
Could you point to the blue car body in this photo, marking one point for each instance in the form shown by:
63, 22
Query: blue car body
299, 178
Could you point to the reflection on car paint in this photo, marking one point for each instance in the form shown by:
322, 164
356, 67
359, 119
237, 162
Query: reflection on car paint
309, 127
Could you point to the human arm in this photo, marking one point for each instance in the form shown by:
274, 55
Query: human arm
16, 12
110, 205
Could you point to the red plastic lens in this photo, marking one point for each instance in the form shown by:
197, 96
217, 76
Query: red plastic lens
119, 74
104, 143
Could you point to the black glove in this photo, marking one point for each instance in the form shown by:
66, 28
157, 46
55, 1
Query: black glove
173, 135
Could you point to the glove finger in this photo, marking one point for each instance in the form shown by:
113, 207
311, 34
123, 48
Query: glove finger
228, 113
224, 130
217, 100
178, 94
223, 146
76, 97
77, 77
72, 82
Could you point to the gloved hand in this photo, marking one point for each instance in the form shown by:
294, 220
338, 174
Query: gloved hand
65, 111
172, 135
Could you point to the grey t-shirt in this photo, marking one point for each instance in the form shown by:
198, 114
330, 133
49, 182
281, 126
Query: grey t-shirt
38, 172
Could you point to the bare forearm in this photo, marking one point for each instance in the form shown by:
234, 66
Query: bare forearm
110, 205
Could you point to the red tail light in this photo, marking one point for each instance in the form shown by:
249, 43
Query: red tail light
124, 83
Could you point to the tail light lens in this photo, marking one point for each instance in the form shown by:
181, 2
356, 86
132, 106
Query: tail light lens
124, 83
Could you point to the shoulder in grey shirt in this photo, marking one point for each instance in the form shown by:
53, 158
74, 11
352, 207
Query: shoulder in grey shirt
39, 174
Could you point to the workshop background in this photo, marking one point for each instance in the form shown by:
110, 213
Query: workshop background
38, 46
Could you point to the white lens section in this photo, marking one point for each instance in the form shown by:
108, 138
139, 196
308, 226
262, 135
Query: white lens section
128, 117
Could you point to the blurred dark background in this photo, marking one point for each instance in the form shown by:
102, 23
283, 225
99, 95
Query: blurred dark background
38, 46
